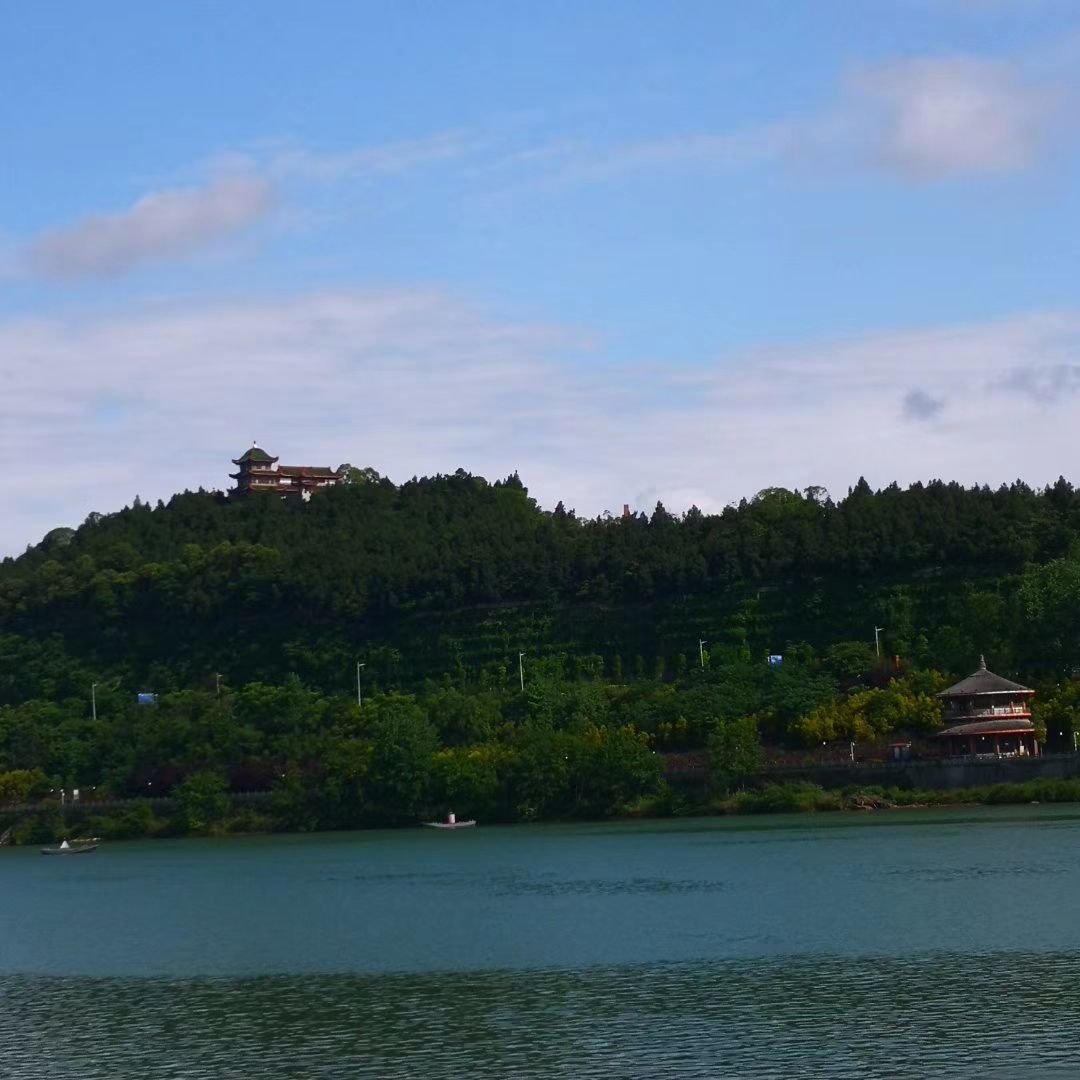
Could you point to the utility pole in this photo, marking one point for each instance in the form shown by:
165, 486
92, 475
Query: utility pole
521, 670
217, 683
359, 695
701, 652
93, 701
877, 639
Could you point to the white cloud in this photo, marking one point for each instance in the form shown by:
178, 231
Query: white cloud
160, 225
933, 117
95, 411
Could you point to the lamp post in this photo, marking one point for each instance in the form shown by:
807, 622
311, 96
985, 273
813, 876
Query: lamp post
521, 670
877, 639
359, 695
93, 701
701, 652
217, 683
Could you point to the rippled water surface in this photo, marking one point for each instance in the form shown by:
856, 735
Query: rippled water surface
896, 945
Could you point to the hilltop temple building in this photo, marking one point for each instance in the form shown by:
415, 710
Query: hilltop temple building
986, 714
257, 471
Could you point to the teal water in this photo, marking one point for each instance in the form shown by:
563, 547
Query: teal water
894, 945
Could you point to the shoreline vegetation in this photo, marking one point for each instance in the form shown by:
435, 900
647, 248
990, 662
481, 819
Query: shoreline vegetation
143, 820
387, 652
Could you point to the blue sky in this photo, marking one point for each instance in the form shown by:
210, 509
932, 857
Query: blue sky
634, 250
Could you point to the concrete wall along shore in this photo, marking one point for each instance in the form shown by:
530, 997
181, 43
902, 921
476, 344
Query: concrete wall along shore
941, 775
88, 807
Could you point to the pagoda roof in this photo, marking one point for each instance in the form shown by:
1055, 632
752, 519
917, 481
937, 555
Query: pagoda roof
305, 470
255, 455
984, 682
1012, 726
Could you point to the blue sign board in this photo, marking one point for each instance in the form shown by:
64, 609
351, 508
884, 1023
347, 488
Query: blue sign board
146, 699
775, 661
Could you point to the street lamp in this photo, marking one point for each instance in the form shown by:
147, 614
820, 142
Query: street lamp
701, 652
359, 696
877, 639
93, 701
521, 670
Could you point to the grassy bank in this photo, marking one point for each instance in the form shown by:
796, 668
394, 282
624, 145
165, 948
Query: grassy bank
141, 821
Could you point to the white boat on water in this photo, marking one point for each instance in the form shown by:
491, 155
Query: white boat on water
451, 822
69, 849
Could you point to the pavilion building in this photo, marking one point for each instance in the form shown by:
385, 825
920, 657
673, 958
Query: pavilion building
986, 714
258, 471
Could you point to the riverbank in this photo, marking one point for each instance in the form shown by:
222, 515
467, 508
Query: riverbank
805, 797
148, 819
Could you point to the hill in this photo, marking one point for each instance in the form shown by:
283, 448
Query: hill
248, 618
453, 574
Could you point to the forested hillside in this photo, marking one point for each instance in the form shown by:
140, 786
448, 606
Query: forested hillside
453, 574
249, 618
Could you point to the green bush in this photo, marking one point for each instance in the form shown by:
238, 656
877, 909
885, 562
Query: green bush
45, 827
795, 797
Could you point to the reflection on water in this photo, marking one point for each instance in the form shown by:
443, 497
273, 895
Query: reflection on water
552, 885
944, 1015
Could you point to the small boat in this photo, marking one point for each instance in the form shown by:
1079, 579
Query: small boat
451, 822
69, 849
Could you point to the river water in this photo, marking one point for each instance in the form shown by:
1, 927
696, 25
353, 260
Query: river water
887, 945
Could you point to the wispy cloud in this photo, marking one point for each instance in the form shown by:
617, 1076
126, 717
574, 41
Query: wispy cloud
583, 162
380, 159
160, 225
922, 119
417, 381
1045, 383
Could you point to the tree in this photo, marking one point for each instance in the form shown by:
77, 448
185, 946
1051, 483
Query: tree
850, 661
1051, 599
462, 719
202, 802
20, 784
617, 767
905, 704
734, 750
469, 781
403, 744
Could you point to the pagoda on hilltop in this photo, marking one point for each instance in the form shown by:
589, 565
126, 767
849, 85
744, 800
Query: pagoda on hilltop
987, 715
258, 471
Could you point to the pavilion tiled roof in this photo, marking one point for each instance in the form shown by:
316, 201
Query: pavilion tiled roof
1012, 726
984, 682
305, 470
256, 455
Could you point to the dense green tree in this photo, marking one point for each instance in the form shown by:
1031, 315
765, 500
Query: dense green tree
403, 744
202, 801
734, 749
